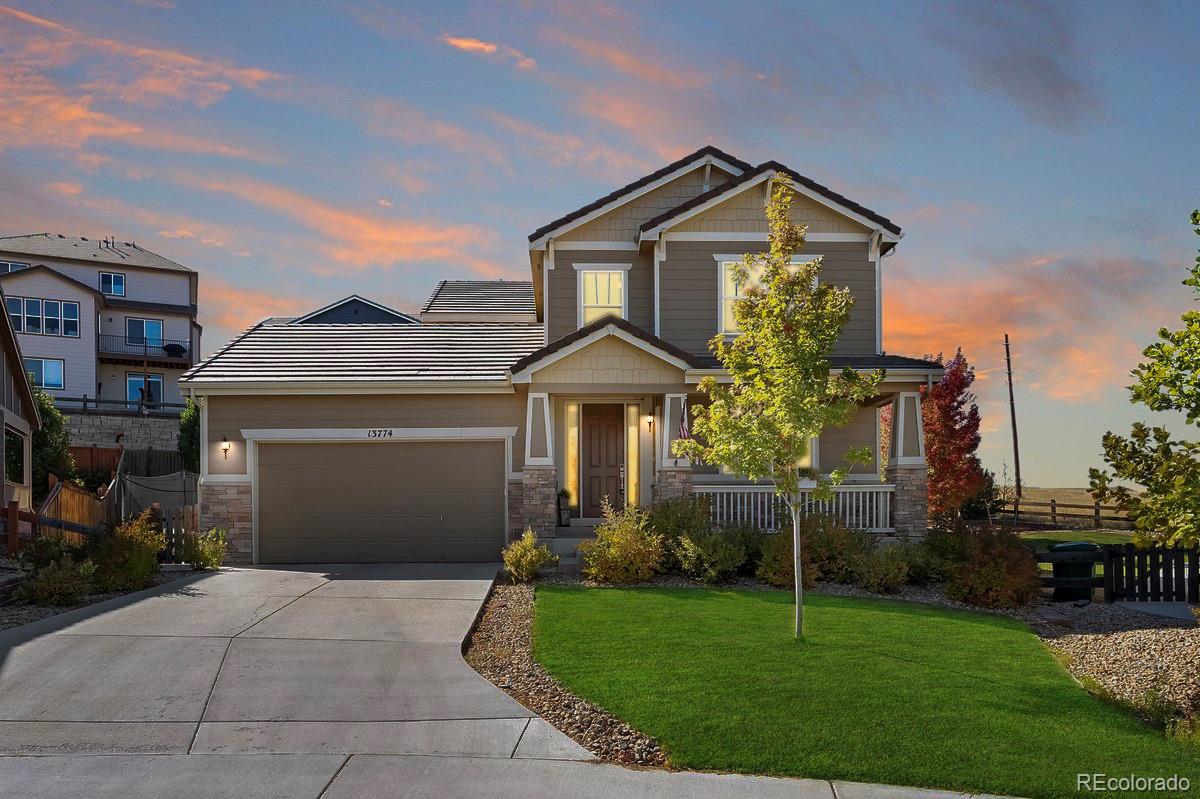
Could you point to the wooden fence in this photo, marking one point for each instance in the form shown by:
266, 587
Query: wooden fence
177, 523
1133, 574
70, 512
1065, 514
95, 458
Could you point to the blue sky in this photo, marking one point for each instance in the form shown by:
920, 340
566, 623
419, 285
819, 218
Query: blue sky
1040, 157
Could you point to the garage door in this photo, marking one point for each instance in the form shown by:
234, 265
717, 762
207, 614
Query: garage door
381, 502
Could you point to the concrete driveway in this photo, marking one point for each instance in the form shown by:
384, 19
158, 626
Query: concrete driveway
332, 681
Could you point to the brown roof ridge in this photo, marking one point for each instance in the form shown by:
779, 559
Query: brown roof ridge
768, 166
707, 150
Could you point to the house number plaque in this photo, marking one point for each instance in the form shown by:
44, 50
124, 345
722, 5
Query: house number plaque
379, 432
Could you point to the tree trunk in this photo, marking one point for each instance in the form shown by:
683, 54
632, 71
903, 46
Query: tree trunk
794, 504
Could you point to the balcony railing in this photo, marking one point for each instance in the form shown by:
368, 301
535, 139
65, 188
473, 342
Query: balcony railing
150, 348
860, 507
86, 404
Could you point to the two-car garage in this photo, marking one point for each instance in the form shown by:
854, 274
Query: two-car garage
380, 501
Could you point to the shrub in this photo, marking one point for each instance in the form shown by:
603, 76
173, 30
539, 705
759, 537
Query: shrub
676, 518
523, 558
778, 567
924, 567
948, 542
206, 551
128, 558
837, 552
45, 551
751, 540
64, 582
709, 557
998, 572
884, 571
625, 549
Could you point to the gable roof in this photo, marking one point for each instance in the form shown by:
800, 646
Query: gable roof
632, 333
56, 245
481, 297
16, 366
401, 318
751, 176
449, 355
102, 299
688, 160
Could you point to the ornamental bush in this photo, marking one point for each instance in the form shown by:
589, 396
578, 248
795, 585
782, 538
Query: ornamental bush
884, 571
127, 559
674, 519
710, 557
61, 583
999, 571
625, 549
204, 552
777, 566
523, 558
837, 552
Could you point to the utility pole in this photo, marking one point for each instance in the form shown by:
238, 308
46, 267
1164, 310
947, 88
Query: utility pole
1012, 409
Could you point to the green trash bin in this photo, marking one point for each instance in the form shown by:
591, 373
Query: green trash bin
1081, 568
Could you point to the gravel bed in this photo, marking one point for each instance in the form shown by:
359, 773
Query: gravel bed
501, 649
14, 613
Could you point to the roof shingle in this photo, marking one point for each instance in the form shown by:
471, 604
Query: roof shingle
54, 245
481, 297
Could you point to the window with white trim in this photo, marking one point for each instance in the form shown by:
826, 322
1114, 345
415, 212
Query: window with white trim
112, 284
602, 291
43, 317
45, 372
732, 290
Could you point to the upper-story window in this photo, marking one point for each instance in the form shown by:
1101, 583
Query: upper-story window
12, 266
732, 289
44, 317
603, 291
112, 284
144, 331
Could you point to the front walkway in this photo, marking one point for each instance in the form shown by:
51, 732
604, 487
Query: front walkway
333, 681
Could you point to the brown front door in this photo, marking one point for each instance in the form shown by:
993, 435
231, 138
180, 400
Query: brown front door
603, 456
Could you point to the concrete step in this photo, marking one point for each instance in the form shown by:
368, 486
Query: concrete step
566, 546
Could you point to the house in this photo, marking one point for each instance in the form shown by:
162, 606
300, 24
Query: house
104, 320
439, 440
19, 412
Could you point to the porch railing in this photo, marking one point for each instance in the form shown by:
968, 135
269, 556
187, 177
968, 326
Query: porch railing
860, 507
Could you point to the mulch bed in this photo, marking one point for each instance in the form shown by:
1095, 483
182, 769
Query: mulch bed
501, 649
14, 613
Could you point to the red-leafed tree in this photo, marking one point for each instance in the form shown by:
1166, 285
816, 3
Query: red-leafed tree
951, 420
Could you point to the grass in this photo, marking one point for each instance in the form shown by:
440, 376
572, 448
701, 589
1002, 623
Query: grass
1042, 539
879, 691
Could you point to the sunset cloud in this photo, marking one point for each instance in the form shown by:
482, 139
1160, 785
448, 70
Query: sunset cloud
408, 124
501, 52
631, 62
232, 308
563, 149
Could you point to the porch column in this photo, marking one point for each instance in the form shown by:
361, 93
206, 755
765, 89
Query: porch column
539, 481
674, 477
907, 469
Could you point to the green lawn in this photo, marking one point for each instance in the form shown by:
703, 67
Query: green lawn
1042, 539
879, 691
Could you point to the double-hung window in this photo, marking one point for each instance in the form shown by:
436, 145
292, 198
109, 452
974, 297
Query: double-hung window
603, 291
143, 332
33, 315
45, 372
112, 284
136, 383
733, 289
43, 317
16, 315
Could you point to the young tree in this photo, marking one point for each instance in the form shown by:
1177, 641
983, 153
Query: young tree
189, 436
1169, 471
951, 420
781, 393
51, 447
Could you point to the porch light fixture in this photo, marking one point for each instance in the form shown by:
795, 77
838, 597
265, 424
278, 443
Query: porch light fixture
650, 424
225, 447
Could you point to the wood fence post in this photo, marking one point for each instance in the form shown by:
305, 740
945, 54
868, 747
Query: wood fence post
1096, 515
1054, 511
13, 527
1016, 511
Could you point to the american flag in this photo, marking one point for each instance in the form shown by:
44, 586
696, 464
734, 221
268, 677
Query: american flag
684, 433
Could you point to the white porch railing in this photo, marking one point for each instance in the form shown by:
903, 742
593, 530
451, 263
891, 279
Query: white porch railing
859, 507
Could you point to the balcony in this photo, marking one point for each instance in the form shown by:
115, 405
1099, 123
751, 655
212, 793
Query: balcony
153, 351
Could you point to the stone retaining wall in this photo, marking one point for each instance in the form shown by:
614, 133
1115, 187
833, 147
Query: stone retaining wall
124, 430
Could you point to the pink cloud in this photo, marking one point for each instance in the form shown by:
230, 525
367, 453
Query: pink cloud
494, 50
562, 149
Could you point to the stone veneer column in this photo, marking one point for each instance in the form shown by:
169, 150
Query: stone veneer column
229, 507
672, 484
515, 523
539, 500
910, 502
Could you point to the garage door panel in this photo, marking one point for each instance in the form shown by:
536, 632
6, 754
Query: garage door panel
381, 501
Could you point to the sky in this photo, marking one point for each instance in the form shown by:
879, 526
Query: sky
1041, 157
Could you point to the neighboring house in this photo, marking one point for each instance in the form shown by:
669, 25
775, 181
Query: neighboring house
438, 441
19, 412
101, 319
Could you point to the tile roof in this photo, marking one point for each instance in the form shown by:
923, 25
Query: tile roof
354, 353
55, 245
768, 166
481, 296
637, 184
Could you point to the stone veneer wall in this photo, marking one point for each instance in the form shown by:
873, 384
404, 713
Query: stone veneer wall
516, 510
672, 484
539, 500
910, 502
128, 430
229, 506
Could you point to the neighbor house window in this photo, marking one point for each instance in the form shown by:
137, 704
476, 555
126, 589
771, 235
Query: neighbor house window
12, 266
602, 291
136, 381
14, 456
112, 283
733, 289
45, 372
148, 332
47, 317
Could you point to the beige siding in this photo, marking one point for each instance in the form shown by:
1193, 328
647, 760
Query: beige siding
176, 327
622, 223
78, 354
836, 441
610, 360
743, 213
144, 285
563, 308
690, 291
228, 415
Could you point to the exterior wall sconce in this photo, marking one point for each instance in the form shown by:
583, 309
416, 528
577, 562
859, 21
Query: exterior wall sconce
650, 424
225, 447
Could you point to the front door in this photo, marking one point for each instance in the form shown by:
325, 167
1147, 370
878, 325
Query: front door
603, 457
